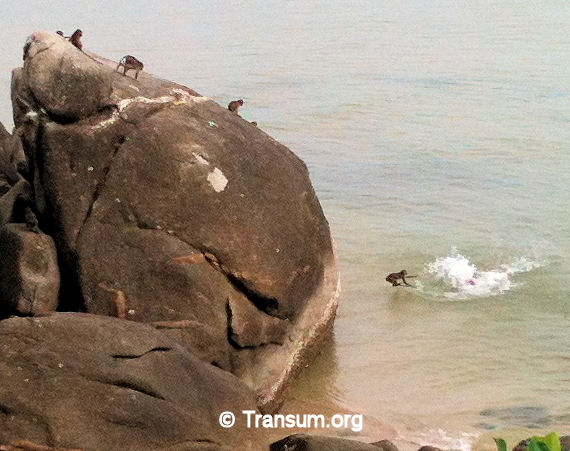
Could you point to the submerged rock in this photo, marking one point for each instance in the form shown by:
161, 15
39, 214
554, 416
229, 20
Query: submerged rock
167, 208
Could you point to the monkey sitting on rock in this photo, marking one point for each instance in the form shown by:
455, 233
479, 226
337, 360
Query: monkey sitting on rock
234, 105
129, 62
75, 39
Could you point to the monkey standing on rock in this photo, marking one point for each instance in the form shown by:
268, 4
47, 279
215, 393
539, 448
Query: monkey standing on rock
129, 62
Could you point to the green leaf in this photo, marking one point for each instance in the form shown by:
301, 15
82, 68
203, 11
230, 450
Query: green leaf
501, 444
552, 441
536, 444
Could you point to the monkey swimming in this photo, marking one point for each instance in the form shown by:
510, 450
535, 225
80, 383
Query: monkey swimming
395, 276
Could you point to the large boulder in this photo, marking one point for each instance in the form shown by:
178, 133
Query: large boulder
29, 274
175, 211
92, 382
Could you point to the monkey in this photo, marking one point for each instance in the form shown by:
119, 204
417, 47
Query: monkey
234, 105
254, 123
395, 276
75, 39
130, 62
60, 33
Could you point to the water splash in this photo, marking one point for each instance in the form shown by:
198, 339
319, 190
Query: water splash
461, 279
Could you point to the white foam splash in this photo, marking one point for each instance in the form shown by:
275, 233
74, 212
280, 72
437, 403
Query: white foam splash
465, 280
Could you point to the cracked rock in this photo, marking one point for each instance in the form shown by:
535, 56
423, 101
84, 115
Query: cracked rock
250, 327
92, 382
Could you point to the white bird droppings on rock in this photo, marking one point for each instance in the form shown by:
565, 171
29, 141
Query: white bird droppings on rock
218, 180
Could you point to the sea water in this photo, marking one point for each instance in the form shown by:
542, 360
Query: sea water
437, 138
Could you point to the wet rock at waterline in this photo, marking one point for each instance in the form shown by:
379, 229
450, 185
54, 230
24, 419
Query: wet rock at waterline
174, 211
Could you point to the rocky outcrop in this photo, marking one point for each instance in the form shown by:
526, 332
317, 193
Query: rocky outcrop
168, 209
75, 380
64, 80
29, 274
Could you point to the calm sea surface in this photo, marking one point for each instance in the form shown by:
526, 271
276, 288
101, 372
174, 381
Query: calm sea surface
437, 134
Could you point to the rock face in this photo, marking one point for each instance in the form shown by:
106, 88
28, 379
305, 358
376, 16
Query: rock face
92, 382
167, 208
63, 79
29, 274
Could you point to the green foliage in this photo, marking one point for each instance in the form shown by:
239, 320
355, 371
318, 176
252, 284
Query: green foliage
501, 444
550, 442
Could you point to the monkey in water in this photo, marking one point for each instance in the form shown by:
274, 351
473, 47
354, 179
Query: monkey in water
395, 276
129, 62
234, 105
75, 39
